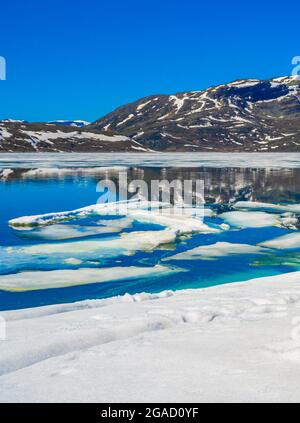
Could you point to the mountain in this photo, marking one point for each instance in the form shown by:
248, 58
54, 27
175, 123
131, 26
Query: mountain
46, 137
244, 115
76, 123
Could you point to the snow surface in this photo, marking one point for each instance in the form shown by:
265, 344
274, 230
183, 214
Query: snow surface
76, 123
4, 133
179, 102
142, 105
126, 119
235, 342
244, 83
48, 135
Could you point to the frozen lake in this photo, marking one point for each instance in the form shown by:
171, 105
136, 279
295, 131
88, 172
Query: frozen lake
241, 160
99, 255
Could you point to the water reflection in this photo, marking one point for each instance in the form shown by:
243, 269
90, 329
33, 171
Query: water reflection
222, 185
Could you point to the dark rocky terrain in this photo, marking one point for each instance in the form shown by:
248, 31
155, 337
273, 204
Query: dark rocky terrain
245, 115
52, 137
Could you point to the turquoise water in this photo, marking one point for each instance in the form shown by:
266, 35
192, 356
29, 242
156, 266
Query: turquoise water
21, 196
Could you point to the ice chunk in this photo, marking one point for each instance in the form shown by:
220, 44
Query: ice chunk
219, 249
112, 209
127, 244
30, 281
184, 220
73, 261
45, 172
276, 208
255, 219
181, 223
61, 232
208, 212
121, 223
285, 242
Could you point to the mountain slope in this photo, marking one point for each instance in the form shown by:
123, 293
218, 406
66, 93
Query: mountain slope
46, 137
245, 115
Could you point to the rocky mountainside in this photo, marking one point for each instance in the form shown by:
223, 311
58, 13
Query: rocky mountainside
57, 137
245, 115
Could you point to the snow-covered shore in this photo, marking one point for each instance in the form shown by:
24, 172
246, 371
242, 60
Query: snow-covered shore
234, 342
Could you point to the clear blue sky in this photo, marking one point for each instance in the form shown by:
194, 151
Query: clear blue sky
81, 59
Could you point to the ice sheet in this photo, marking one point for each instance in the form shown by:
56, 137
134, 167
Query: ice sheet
211, 159
230, 343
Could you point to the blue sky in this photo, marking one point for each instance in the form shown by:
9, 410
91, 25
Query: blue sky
81, 59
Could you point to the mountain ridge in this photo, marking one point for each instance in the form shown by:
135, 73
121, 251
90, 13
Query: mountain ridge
243, 115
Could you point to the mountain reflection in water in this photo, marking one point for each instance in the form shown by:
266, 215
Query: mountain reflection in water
222, 185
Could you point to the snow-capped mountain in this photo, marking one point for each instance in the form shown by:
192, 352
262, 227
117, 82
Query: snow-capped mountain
245, 115
12, 121
31, 137
75, 123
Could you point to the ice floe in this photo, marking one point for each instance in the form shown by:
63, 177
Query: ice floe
126, 244
256, 219
113, 208
57, 172
182, 223
120, 223
73, 261
285, 242
219, 249
184, 220
275, 208
61, 232
30, 281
